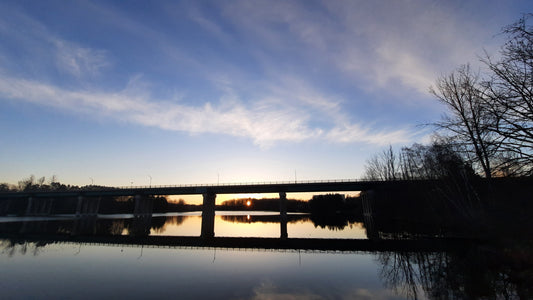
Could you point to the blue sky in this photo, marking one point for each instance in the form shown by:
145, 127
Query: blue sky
114, 92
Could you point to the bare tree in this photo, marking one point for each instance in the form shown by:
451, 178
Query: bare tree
510, 96
26, 184
468, 122
383, 166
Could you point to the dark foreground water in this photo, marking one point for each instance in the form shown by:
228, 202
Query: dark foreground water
99, 271
125, 257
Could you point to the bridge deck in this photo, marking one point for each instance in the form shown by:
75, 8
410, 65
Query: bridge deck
287, 187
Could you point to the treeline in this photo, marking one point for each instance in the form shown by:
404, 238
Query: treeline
42, 184
331, 204
335, 211
106, 205
264, 204
67, 205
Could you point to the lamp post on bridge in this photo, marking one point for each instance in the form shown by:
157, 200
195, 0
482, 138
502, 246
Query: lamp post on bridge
150, 180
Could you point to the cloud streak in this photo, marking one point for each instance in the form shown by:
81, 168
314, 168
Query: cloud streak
381, 45
266, 121
40, 50
79, 61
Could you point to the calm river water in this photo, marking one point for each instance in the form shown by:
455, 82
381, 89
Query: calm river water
42, 259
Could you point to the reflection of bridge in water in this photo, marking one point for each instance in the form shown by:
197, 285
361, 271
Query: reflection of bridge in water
88, 200
239, 243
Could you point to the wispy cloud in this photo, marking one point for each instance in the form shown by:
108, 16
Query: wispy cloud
79, 61
350, 133
387, 46
265, 121
40, 50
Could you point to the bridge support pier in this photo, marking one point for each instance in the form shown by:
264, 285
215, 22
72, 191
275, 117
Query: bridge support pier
283, 215
143, 205
79, 205
208, 215
39, 206
142, 216
367, 198
87, 206
4, 207
29, 207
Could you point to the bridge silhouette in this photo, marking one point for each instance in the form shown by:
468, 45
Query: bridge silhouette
88, 198
224, 188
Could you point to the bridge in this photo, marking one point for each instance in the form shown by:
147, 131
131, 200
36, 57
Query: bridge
88, 198
228, 188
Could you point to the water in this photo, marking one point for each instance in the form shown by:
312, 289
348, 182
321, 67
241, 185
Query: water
72, 271
227, 224
122, 256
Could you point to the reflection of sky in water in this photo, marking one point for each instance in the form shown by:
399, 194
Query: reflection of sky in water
255, 224
227, 224
70, 271
91, 271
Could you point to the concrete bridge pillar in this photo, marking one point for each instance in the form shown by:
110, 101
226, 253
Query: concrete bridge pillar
29, 207
79, 205
142, 213
208, 215
47, 208
283, 214
87, 206
95, 206
367, 198
4, 207
39, 206
143, 205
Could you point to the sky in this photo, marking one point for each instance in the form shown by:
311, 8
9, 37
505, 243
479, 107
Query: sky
124, 93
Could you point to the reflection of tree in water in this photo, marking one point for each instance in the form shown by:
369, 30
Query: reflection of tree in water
333, 222
159, 224
117, 227
265, 218
401, 273
10, 247
91, 225
476, 272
